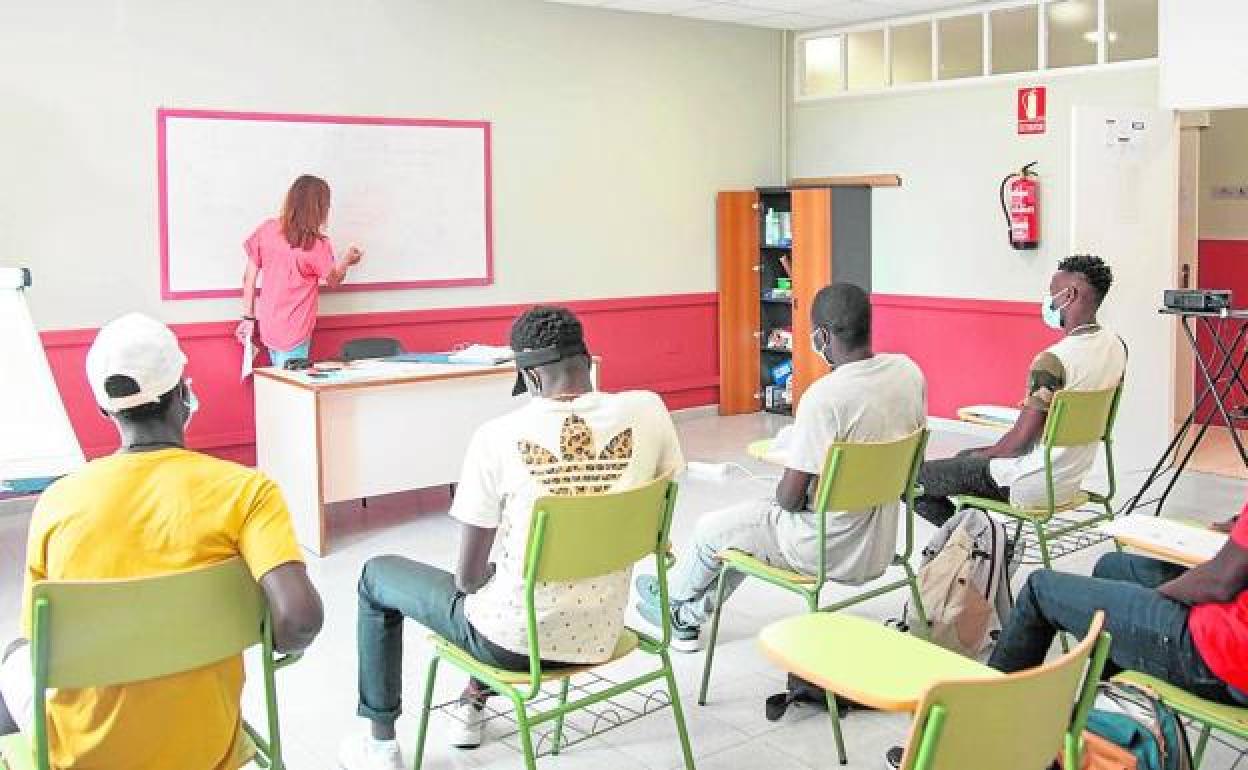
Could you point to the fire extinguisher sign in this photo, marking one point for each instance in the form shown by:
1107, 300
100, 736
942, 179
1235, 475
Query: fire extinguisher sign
1031, 110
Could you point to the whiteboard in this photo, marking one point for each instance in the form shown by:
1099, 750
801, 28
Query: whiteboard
36, 439
413, 194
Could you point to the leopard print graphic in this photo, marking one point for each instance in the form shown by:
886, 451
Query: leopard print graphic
578, 470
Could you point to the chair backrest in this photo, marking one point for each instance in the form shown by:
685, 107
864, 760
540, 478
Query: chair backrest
584, 536
1080, 417
1021, 721
859, 475
370, 347
96, 633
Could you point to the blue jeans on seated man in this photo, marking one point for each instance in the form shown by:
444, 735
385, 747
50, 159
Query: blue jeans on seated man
392, 588
278, 358
1150, 632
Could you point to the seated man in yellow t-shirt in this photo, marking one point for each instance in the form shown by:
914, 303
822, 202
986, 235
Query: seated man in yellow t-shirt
153, 508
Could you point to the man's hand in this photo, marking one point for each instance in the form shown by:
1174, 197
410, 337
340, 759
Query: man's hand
1225, 527
245, 331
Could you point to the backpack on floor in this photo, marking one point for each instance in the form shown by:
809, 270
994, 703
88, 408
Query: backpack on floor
1131, 729
803, 693
964, 582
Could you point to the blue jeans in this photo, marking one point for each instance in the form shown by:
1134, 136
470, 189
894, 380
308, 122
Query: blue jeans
279, 358
392, 588
1150, 632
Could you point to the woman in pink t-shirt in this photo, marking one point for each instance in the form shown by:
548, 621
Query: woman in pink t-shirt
295, 257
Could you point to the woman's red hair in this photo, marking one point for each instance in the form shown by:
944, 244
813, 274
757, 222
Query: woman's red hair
305, 211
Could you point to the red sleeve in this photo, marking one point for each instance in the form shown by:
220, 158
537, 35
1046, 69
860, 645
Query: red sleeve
1239, 533
252, 247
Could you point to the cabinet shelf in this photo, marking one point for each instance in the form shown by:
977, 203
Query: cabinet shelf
783, 351
787, 411
778, 300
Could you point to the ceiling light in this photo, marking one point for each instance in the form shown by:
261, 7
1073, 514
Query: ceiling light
1090, 36
1070, 11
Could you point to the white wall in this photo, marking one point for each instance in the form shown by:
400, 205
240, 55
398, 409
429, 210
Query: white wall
1204, 61
1224, 162
942, 232
612, 132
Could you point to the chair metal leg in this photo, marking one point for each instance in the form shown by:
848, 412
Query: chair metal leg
426, 705
270, 702
525, 731
913, 580
563, 701
1203, 742
678, 712
710, 646
835, 716
1043, 543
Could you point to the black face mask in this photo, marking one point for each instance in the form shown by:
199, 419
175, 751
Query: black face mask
531, 359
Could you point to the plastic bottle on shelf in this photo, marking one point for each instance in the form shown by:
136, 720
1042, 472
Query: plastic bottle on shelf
771, 228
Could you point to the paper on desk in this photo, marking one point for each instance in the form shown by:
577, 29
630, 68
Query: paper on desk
481, 354
249, 357
1002, 414
1192, 540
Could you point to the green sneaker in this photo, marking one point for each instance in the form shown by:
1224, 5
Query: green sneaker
684, 638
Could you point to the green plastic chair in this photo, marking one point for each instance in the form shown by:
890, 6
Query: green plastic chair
855, 476
1019, 721
577, 538
967, 715
101, 633
1076, 418
1210, 715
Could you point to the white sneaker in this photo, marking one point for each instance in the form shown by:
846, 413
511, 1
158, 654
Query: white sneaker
467, 726
363, 752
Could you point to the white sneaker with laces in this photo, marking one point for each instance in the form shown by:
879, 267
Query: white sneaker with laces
467, 726
363, 752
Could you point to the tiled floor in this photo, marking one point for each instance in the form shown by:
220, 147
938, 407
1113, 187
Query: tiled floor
318, 694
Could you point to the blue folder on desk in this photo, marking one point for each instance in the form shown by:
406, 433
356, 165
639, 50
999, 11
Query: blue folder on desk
421, 358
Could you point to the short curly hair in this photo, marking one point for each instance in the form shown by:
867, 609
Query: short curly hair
545, 325
1093, 268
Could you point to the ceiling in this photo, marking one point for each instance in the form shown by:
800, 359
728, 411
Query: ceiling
778, 14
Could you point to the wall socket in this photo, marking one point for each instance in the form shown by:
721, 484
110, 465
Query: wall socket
1227, 192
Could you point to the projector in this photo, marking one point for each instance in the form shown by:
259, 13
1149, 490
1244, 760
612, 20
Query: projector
1197, 300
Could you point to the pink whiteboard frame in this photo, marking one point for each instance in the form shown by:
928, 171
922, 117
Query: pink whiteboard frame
162, 117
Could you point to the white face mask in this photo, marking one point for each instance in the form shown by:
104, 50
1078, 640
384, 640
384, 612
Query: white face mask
1051, 314
819, 347
191, 402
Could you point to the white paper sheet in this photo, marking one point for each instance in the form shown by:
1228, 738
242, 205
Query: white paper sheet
249, 359
1200, 543
36, 439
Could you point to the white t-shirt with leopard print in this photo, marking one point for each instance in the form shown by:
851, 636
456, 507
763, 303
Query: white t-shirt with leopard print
598, 442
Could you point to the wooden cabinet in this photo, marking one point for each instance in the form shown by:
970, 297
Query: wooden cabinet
807, 238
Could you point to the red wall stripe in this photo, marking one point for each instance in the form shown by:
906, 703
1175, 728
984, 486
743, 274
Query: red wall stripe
667, 344
1222, 264
972, 351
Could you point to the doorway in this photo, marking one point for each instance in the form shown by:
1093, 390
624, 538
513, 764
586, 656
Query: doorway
1213, 244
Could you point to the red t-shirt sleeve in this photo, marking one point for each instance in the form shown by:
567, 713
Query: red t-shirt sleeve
252, 247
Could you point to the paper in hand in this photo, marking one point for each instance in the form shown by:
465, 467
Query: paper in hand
249, 355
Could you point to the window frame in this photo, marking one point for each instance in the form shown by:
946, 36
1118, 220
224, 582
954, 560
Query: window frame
984, 11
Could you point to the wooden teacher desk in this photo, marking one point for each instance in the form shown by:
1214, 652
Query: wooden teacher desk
376, 429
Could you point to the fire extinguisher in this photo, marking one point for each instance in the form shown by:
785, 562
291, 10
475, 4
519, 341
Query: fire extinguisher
1020, 202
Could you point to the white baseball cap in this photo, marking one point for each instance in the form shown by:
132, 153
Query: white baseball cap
140, 349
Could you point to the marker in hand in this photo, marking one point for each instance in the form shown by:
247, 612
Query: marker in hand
354, 255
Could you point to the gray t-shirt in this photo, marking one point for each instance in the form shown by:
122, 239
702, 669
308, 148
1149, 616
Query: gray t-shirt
883, 398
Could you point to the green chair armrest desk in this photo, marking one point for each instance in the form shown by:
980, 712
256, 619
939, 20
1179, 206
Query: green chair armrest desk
1076, 418
576, 538
856, 476
966, 714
